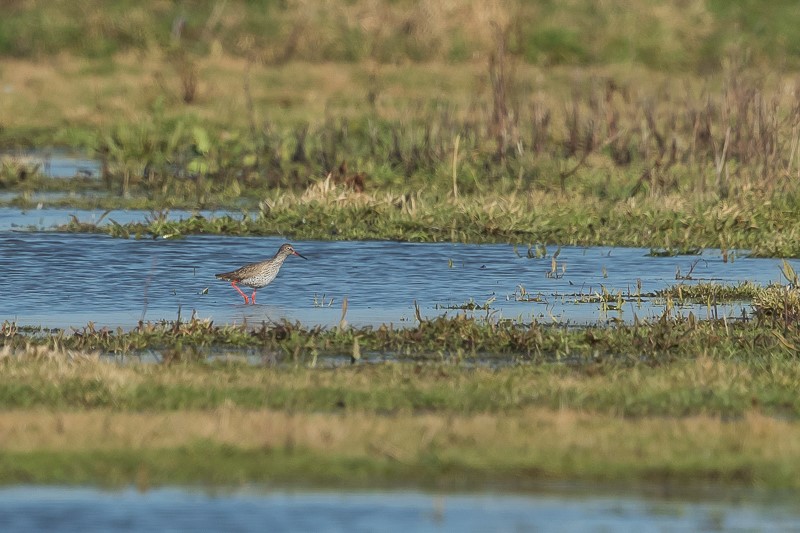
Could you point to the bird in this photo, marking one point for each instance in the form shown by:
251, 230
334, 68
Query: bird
258, 275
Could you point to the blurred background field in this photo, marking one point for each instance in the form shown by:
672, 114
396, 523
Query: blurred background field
683, 35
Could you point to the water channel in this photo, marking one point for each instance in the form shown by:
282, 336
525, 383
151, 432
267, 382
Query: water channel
54, 279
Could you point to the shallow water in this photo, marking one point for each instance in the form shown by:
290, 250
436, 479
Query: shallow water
61, 280
53, 509
56, 163
13, 219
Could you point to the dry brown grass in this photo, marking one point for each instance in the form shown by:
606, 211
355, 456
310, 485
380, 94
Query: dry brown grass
94, 92
49, 365
535, 438
66, 90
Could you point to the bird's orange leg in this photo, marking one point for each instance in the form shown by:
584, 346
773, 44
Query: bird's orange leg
233, 284
253, 298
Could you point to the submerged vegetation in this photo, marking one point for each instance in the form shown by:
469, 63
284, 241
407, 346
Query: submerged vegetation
458, 338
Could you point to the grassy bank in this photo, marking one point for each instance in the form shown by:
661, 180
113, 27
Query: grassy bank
512, 451
79, 419
453, 403
625, 387
749, 223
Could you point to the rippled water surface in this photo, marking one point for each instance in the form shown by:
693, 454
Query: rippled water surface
58, 279
60, 509
56, 163
12, 219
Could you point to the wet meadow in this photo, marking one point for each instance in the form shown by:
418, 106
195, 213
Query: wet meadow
531, 257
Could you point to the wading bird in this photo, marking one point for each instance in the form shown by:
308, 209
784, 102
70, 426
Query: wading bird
258, 275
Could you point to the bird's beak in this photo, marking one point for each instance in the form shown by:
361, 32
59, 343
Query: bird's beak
301, 255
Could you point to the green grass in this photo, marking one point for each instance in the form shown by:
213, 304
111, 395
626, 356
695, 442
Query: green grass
746, 226
668, 367
210, 464
631, 389
709, 292
390, 425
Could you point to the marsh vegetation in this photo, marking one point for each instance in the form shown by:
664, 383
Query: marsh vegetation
510, 142
669, 127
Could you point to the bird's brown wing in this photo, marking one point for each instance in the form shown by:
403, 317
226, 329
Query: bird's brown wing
238, 274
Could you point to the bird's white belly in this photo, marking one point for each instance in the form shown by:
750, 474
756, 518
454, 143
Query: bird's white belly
259, 280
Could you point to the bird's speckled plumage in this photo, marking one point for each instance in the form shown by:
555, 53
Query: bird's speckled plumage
258, 275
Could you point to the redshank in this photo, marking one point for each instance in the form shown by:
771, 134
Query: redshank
258, 275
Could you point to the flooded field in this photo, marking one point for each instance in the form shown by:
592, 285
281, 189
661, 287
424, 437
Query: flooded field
63, 509
60, 280
467, 395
